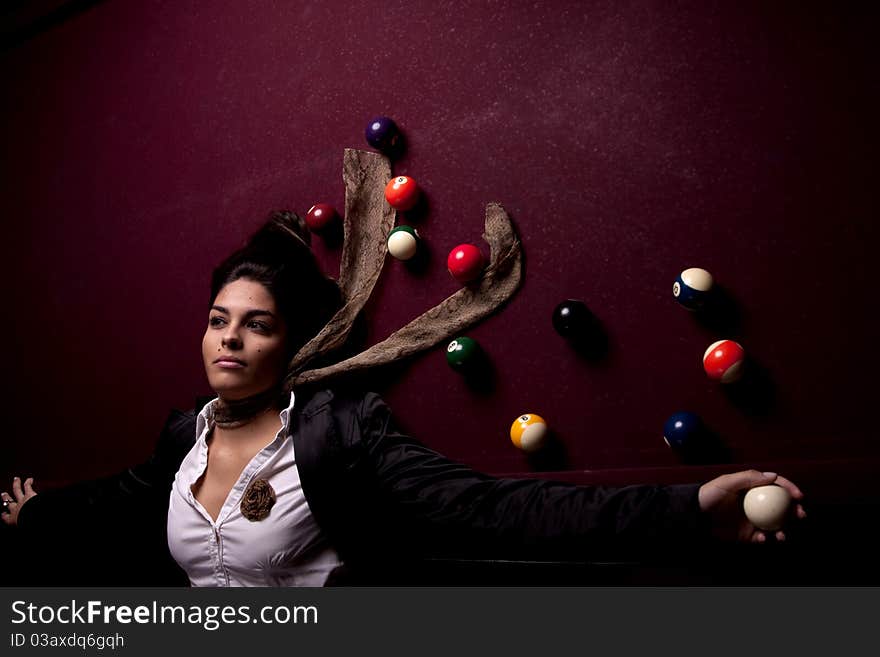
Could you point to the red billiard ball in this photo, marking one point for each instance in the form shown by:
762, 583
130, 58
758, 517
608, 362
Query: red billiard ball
723, 361
465, 263
402, 193
319, 216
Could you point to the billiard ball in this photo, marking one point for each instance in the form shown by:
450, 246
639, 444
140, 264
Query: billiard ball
683, 430
724, 360
403, 242
402, 193
767, 506
463, 353
382, 134
528, 432
465, 263
692, 288
319, 216
572, 319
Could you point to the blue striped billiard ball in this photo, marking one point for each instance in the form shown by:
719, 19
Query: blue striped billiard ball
692, 288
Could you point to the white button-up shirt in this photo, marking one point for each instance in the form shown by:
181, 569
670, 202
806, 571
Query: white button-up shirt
286, 548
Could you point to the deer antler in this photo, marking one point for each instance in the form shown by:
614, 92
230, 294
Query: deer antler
368, 220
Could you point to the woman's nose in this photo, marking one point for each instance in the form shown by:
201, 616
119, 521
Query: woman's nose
230, 340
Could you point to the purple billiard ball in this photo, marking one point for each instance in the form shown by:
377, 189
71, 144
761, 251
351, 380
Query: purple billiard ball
382, 134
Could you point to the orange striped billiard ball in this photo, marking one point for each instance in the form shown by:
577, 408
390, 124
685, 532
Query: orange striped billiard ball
528, 432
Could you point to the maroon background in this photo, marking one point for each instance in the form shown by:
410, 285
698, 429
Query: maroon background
144, 141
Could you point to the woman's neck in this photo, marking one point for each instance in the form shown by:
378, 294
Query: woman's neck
255, 434
232, 414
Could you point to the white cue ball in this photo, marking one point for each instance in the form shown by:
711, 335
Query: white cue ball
767, 506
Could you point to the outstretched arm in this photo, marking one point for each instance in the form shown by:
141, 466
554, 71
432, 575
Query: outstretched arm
114, 497
454, 508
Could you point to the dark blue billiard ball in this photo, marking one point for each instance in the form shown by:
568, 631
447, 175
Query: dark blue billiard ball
382, 134
572, 319
682, 430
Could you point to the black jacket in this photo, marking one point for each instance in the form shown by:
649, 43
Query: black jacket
381, 497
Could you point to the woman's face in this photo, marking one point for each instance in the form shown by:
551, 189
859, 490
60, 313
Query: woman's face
244, 324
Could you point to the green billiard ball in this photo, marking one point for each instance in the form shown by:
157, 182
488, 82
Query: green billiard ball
403, 242
462, 353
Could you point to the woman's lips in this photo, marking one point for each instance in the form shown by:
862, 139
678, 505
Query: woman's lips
229, 364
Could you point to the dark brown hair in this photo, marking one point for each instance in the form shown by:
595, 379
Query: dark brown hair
279, 256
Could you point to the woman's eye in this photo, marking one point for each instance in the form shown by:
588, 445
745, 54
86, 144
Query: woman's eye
217, 321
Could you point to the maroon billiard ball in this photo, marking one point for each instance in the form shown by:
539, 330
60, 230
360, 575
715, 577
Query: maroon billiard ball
320, 216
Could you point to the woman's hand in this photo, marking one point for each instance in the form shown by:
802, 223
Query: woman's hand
12, 506
722, 499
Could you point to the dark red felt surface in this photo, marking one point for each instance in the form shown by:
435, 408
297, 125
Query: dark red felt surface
144, 141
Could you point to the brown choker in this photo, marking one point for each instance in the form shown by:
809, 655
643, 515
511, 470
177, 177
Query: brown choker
232, 413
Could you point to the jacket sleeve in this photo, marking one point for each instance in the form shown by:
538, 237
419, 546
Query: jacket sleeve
108, 531
131, 490
456, 511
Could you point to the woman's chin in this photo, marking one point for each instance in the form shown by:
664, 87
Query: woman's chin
231, 391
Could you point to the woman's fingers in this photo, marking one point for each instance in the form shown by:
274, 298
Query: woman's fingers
737, 481
789, 486
7, 512
29, 487
16, 489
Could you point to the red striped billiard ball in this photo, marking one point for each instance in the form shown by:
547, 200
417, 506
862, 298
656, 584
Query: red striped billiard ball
723, 361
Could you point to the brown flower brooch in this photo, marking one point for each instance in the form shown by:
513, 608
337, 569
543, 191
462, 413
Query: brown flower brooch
257, 500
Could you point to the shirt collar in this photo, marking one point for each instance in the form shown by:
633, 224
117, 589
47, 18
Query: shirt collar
206, 416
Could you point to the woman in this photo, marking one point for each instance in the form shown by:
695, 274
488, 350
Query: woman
259, 486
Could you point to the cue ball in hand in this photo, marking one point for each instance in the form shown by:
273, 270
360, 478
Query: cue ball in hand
528, 432
767, 506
